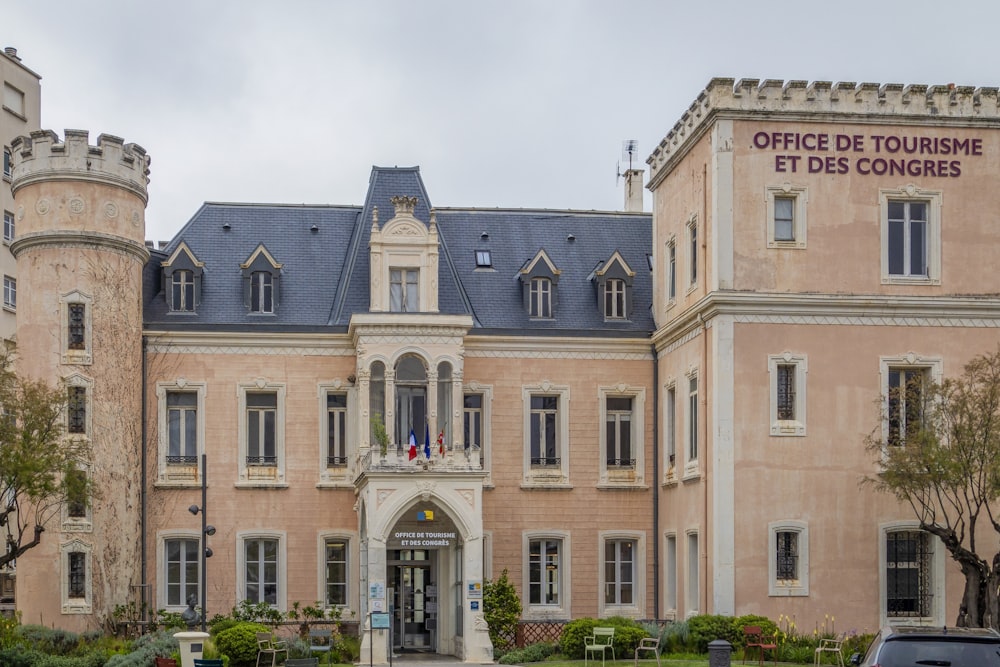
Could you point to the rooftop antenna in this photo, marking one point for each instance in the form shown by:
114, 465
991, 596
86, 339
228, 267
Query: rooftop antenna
630, 147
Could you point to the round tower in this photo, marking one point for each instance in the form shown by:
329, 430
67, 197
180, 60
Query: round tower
80, 249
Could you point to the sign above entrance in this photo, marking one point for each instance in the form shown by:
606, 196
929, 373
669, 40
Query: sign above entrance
423, 539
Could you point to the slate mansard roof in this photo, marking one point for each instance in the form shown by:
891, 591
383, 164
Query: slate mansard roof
324, 257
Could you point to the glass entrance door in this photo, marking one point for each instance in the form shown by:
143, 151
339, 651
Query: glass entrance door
414, 600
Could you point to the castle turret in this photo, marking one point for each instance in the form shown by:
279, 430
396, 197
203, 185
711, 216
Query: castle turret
80, 251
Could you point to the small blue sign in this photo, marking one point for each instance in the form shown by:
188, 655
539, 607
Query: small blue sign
380, 621
474, 605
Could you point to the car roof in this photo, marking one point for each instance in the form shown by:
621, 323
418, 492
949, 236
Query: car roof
905, 632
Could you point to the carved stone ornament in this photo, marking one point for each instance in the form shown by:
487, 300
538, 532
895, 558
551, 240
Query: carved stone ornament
111, 210
42, 206
469, 496
404, 205
77, 205
382, 495
426, 489
406, 229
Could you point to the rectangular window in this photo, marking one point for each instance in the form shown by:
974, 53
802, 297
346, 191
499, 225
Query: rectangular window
13, 99
483, 259
693, 589
6, 162
671, 572
670, 408
693, 236
908, 574
8, 226
183, 564
473, 423
541, 298
336, 572
693, 419
784, 218
671, 271
619, 571
182, 286
182, 428
905, 403
786, 392
76, 494
907, 226
544, 430
77, 561
618, 429
77, 410
261, 292
403, 292
336, 430
543, 572
261, 576
614, 299
787, 557
262, 410
9, 292
77, 329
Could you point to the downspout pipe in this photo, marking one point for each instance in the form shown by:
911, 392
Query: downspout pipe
142, 490
656, 487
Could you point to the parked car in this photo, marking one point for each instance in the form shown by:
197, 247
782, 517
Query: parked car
916, 646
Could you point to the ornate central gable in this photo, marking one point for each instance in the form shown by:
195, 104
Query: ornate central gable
404, 261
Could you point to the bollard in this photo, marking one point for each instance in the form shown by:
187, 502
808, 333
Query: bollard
720, 653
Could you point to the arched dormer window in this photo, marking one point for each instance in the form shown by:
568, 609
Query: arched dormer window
539, 283
404, 261
261, 281
182, 276
613, 281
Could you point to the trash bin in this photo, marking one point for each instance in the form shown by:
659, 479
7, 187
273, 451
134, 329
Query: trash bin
720, 653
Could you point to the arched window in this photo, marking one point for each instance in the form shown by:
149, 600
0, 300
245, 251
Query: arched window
444, 404
376, 393
411, 399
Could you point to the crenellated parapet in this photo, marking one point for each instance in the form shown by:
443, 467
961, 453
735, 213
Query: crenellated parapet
825, 101
42, 157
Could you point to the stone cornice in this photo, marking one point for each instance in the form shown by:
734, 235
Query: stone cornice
823, 101
520, 347
396, 324
834, 310
70, 239
206, 342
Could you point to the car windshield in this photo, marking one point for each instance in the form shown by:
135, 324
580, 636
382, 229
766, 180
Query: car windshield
914, 653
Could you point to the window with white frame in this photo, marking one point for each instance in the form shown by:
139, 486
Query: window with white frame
622, 574
9, 292
786, 216
911, 235
182, 564
692, 584
545, 573
618, 432
670, 428
904, 381
262, 433
692, 423
546, 433
692, 229
908, 574
622, 411
76, 511
540, 294
614, 299
77, 586
477, 402
336, 429
788, 558
670, 574
76, 410
337, 572
182, 291
76, 328
787, 382
404, 293
7, 162
261, 569
182, 428
181, 420
671, 271
8, 226
261, 292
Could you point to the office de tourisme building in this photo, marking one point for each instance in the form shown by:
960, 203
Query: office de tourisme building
647, 415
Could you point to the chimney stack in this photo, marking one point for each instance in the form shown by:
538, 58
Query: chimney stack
633, 190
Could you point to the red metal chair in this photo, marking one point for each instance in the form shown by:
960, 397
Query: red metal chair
754, 640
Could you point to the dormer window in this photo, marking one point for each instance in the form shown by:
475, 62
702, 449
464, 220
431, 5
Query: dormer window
261, 280
483, 259
613, 283
261, 292
182, 274
614, 299
182, 291
404, 291
403, 256
541, 298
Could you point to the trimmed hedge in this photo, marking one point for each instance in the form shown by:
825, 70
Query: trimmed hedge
240, 642
627, 635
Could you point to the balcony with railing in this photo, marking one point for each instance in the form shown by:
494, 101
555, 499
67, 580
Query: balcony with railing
400, 459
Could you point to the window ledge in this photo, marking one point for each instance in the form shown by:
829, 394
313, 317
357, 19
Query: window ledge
628, 611
556, 486
260, 484
786, 245
910, 280
670, 480
15, 113
788, 428
335, 484
10, 309
691, 476
77, 526
615, 486
177, 484
545, 613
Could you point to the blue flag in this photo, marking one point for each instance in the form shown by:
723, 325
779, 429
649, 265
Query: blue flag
427, 440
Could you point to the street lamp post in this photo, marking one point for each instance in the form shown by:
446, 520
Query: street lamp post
206, 531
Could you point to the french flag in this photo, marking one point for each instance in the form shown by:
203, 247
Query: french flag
413, 445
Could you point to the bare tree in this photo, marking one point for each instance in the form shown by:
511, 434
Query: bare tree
938, 451
37, 463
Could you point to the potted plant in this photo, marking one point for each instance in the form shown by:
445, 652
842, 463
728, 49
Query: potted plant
380, 434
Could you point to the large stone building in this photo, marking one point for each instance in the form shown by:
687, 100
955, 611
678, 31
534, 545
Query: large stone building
650, 416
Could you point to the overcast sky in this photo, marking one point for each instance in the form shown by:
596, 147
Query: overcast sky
511, 103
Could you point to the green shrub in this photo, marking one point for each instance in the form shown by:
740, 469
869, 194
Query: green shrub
240, 642
532, 653
502, 611
18, 657
221, 622
707, 628
159, 644
627, 635
767, 627
49, 640
571, 639
675, 637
